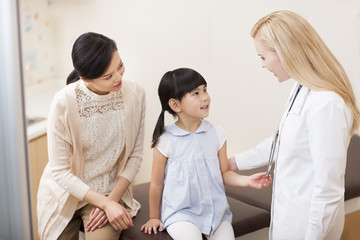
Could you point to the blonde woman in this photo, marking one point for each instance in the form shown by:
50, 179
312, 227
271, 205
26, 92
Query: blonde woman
309, 147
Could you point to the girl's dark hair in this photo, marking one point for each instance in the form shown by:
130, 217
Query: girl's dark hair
91, 55
174, 84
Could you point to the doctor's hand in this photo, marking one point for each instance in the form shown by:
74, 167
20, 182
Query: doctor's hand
152, 225
259, 180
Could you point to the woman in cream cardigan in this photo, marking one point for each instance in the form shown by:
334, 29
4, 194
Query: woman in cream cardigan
95, 142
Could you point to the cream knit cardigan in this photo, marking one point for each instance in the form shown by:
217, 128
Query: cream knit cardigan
61, 186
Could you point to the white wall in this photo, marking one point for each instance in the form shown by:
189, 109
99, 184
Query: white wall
38, 52
155, 36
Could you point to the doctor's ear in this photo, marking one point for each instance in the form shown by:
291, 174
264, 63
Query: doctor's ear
174, 105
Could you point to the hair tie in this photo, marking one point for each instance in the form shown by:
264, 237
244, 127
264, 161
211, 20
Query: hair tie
162, 114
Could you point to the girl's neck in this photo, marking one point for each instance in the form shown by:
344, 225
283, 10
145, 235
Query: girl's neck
189, 126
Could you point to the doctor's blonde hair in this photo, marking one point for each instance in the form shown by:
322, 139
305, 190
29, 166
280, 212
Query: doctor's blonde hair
305, 57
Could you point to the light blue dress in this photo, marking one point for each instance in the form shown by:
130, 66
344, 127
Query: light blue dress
193, 185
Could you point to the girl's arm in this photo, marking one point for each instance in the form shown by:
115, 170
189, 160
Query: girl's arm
155, 192
231, 178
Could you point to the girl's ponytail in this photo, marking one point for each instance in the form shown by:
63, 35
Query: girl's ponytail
159, 128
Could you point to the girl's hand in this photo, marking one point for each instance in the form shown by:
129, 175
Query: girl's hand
117, 215
259, 180
97, 219
152, 225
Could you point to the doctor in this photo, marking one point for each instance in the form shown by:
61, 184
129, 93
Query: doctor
309, 153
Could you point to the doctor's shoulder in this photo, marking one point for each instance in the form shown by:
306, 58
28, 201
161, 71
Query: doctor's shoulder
323, 104
320, 99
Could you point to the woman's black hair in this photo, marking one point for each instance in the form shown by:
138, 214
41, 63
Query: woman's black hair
91, 56
174, 84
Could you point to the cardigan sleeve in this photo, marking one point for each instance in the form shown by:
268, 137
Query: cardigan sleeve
133, 163
60, 149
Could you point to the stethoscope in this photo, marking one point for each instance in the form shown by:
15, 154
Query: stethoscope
274, 152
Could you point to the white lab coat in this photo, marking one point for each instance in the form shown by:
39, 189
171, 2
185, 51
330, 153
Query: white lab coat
308, 189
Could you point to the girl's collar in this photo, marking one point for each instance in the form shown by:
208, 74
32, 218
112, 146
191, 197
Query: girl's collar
176, 131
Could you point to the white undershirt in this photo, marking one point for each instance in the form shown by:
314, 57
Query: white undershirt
103, 137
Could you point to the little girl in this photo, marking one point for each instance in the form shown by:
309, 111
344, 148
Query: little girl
187, 196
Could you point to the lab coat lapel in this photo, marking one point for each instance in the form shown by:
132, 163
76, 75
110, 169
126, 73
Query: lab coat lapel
300, 100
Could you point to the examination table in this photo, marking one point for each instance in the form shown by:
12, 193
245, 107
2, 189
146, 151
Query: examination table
251, 207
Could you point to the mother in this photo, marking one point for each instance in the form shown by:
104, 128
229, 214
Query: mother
95, 142
310, 144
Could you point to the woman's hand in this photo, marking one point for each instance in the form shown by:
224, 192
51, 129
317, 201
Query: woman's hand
259, 180
152, 225
118, 216
97, 219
